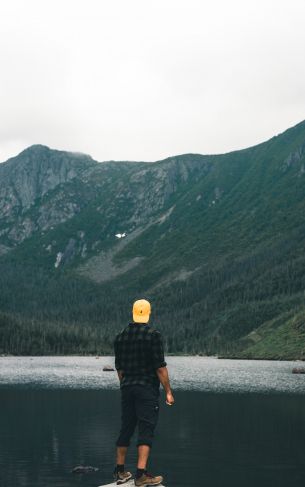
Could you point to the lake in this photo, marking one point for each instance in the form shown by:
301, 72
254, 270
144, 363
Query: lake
235, 423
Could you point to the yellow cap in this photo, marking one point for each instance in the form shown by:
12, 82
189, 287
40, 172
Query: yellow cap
141, 311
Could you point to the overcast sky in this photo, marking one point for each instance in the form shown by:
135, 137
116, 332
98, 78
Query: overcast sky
146, 79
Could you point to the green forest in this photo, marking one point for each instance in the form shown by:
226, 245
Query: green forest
257, 308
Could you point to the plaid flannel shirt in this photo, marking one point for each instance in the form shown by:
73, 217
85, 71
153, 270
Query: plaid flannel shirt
138, 353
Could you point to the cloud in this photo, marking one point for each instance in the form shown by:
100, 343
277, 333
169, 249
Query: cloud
144, 80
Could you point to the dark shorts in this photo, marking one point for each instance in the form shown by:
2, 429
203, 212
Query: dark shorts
140, 406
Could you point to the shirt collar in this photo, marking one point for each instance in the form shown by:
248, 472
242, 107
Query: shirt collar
138, 324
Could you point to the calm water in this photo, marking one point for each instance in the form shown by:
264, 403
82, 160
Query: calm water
235, 423
206, 374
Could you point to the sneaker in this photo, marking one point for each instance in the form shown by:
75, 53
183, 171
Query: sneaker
147, 479
122, 477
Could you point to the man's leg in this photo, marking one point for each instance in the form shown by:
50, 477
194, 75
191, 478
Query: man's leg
121, 452
147, 408
143, 454
128, 424
128, 421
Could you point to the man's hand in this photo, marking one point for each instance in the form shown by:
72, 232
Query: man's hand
169, 398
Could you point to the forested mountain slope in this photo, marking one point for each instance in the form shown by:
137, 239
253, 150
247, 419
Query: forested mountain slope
216, 243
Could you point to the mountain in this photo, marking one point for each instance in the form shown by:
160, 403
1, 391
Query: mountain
215, 242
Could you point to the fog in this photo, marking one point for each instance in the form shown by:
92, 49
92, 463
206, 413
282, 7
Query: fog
143, 80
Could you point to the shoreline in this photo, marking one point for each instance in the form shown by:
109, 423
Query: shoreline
218, 357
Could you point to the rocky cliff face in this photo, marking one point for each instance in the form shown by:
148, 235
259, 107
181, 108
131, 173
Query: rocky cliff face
42, 188
74, 207
35, 171
27, 180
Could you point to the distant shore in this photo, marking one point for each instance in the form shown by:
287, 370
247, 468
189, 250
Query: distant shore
219, 357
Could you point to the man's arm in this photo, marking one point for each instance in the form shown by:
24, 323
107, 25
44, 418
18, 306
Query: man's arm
160, 366
117, 360
120, 375
162, 373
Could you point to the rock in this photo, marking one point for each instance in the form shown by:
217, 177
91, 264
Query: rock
108, 368
298, 370
294, 157
84, 469
34, 175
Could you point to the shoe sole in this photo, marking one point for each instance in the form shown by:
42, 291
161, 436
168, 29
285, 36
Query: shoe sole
148, 485
120, 482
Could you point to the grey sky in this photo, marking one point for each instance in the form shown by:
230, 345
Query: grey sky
145, 79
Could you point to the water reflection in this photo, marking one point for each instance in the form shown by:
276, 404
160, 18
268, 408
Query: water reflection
206, 439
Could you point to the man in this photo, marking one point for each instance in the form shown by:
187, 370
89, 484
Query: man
140, 364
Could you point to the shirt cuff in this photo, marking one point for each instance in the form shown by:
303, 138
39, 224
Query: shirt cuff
161, 364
